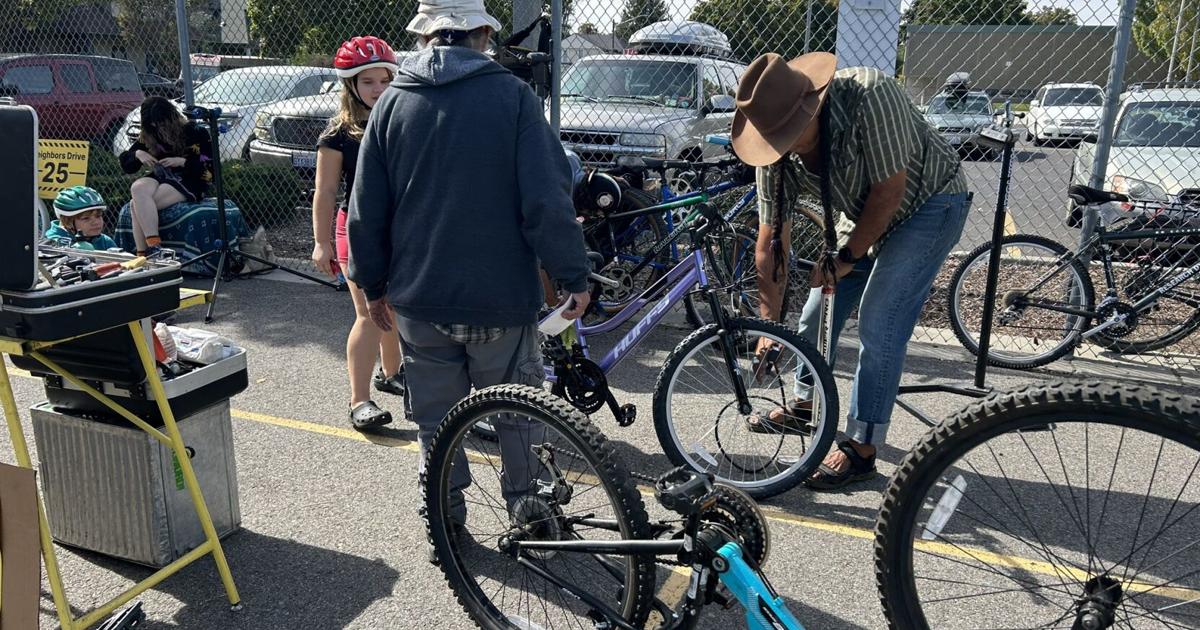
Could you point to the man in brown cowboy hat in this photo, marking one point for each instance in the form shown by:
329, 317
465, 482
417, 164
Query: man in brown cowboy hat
902, 203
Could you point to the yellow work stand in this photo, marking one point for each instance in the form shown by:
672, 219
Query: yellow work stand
172, 438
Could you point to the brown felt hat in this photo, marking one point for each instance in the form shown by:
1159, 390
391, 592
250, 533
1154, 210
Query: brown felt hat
776, 101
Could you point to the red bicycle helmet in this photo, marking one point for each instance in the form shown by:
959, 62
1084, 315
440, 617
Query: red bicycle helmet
363, 53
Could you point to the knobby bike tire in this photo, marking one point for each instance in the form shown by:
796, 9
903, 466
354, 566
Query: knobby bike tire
734, 271
820, 441
982, 254
1168, 415
591, 445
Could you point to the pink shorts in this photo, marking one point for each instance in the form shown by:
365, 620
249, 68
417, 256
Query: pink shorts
341, 243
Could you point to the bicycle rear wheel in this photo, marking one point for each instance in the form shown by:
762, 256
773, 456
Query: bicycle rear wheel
699, 424
1025, 333
1034, 508
1174, 315
625, 244
551, 475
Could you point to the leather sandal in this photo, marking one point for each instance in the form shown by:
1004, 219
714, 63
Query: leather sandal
860, 469
367, 415
794, 418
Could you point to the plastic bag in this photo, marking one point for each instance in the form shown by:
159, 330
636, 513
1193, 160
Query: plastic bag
200, 346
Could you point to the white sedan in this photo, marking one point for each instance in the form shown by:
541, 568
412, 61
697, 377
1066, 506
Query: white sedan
240, 93
1156, 149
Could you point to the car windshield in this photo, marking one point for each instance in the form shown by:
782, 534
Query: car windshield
1162, 124
244, 88
1074, 96
663, 83
972, 104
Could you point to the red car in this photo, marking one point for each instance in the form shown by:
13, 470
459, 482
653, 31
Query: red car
77, 97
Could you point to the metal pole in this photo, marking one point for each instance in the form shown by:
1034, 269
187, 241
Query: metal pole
807, 24
1175, 43
1112, 96
556, 19
1187, 76
185, 48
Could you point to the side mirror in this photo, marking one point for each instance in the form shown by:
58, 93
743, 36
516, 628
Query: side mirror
720, 104
1020, 115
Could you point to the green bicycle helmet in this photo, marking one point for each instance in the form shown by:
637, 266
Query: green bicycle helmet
77, 200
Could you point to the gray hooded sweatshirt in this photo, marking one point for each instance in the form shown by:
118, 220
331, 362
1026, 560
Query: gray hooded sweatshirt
462, 191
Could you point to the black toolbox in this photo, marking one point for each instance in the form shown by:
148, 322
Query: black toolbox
36, 304
108, 361
48, 313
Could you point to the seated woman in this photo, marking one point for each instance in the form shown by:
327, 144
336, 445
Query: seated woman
177, 157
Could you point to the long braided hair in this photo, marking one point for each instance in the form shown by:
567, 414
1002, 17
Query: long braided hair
783, 170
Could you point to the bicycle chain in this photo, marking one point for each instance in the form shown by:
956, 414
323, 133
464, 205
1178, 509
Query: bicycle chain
660, 560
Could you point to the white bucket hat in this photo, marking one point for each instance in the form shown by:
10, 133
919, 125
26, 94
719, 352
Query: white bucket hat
453, 15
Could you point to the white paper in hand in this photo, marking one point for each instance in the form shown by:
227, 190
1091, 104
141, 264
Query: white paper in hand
555, 323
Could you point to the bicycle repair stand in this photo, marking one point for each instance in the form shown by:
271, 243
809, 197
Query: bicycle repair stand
993, 137
224, 250
168, 435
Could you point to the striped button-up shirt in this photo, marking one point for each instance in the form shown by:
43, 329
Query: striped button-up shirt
875, 132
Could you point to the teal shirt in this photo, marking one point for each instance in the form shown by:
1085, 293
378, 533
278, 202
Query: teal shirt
100, 242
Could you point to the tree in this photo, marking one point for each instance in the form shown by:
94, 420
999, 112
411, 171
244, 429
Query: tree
1049, 15
304, 29
639, 14
1154, 27
587, 28
150, 24
967, 12
755, 27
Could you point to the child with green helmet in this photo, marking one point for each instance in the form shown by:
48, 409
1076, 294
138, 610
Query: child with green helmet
80, 224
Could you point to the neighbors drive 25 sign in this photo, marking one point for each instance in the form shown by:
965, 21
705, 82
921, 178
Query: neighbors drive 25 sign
61, 164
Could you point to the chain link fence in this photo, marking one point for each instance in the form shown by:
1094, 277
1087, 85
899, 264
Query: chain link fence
86, 67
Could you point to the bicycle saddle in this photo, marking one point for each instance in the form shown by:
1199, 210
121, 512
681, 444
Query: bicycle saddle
1085, 195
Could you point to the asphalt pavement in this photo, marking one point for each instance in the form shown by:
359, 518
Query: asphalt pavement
1037, 196
330, 536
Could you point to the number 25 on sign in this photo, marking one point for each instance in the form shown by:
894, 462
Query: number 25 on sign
61, 164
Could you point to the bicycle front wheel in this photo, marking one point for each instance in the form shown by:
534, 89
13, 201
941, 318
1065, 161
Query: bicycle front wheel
1068, 505
1027, 330
549, 475
700, 425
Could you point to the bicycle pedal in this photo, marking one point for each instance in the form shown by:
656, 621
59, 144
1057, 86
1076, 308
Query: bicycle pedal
628, 414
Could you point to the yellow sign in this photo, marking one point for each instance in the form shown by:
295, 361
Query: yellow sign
61, 164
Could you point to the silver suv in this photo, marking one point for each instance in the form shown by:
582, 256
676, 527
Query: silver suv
646, 105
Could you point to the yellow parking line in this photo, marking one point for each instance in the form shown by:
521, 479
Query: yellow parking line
677, 583
1010, 225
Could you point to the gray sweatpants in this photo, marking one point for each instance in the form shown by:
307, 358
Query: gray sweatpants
440, 372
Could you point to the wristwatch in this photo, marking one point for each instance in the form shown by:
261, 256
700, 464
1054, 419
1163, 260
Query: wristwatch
845, 255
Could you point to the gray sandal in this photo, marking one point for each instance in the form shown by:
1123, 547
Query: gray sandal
367, 415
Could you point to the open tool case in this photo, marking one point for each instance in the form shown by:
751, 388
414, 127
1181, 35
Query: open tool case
31, 307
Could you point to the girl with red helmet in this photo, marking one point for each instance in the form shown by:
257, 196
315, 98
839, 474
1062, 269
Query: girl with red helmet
366, 66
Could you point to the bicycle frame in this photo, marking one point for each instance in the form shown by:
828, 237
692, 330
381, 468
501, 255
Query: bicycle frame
677, 283
1102, 240
764, 608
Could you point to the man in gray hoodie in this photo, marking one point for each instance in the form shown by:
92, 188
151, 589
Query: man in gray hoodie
462, 191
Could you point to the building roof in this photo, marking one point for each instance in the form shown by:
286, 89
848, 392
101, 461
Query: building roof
1008, 28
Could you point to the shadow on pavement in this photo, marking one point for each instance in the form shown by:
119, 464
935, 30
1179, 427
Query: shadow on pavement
283, 584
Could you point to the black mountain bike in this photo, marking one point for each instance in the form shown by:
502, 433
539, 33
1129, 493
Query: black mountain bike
1046, 301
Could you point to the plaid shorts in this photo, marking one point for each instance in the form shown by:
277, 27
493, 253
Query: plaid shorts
470, 335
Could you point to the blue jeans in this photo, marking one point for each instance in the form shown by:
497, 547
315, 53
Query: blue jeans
889, 296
